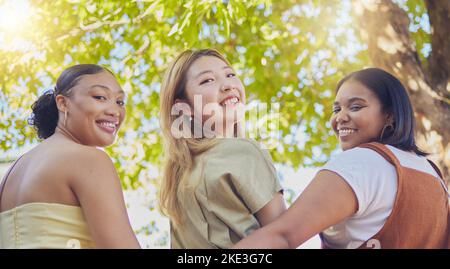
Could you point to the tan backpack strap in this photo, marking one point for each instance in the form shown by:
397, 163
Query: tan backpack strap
390, 157
435, 168
441, 177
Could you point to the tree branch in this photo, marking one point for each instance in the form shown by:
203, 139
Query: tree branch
384, 27
439, 60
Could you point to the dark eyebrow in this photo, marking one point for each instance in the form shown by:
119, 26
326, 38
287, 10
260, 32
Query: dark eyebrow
351, 100
106, 88
210, 71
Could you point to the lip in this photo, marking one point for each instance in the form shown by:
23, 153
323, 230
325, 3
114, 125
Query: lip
344, 132
222, 103
108, 126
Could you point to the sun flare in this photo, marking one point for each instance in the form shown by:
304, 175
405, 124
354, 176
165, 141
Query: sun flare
14, 15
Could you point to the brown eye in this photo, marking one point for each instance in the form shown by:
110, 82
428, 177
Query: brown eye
206, 81
355, 108
99, 97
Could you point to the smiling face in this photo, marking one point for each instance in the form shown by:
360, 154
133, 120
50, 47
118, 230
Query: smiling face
95, 109
216, 84
358, 115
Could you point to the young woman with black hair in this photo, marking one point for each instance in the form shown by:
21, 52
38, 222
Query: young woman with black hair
380, 192
65, 192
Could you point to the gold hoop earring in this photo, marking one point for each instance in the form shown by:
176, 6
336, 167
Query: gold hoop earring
384, 129
65, 118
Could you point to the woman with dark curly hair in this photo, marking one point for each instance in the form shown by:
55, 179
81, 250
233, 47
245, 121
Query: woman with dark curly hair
65, 192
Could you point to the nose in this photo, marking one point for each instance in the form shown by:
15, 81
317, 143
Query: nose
342, 116
113, 111
227, 87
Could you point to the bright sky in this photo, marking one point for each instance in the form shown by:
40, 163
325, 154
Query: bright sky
13, 14
15, 20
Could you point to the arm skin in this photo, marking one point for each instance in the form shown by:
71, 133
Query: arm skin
98, 189
326, 201
272, 210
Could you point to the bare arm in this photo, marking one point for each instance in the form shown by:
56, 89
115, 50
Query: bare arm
99, 192
272, 210
326, 201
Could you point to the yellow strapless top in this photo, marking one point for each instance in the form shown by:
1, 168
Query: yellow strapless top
44, 225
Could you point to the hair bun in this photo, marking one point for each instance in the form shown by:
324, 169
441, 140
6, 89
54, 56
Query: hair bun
45, 114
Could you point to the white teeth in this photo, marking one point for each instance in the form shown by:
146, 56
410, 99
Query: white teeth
231, 101
346, 131
108, 124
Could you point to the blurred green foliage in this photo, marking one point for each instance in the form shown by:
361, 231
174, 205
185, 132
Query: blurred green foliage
290, 52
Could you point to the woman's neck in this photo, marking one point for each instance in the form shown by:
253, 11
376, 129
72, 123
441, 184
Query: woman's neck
66, 134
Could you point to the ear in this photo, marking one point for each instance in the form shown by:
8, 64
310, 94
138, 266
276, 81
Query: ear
61, 102
389, 118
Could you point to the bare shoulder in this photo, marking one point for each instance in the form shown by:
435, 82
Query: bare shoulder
91, 156
72, 153
79, 160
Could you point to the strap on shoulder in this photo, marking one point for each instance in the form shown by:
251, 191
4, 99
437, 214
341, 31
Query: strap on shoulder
383, 151
441, 178
435, 168
3, 183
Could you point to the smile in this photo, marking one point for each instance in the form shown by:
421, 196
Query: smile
345, 132
108, 126
233, 100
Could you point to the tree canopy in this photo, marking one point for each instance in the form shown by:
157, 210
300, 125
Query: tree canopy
287, 52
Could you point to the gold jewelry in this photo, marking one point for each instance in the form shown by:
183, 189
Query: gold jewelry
384, 129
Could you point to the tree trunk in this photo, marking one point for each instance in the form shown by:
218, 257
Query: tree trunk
384, 27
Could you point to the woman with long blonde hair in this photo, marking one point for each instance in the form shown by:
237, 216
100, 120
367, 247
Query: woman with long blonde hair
217, 186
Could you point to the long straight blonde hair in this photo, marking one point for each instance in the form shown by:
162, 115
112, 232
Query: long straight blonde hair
179, 152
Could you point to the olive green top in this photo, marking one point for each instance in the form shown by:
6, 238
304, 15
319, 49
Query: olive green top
228, 184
